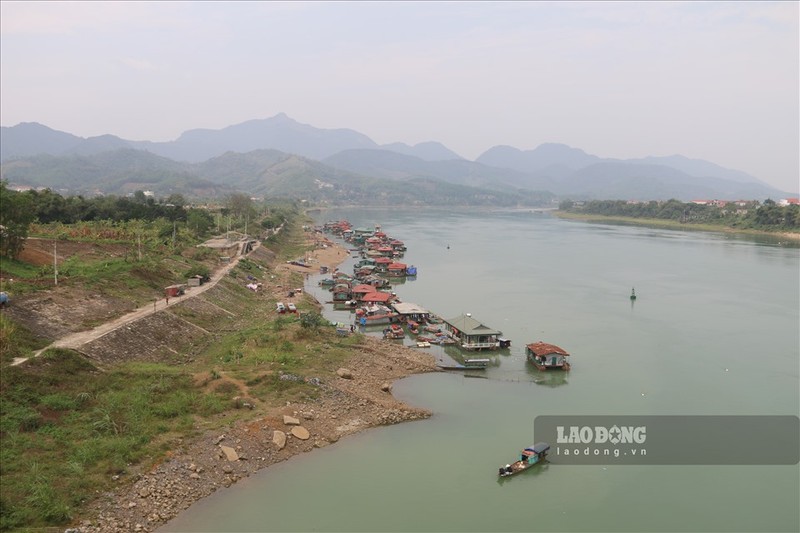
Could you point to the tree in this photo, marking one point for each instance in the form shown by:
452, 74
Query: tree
199, 221
16, 215
240, 206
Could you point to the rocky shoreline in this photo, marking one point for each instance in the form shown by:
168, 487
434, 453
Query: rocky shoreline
350, 402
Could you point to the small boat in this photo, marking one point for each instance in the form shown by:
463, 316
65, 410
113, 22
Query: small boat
633, 294
395, 331
469, 364
527, 458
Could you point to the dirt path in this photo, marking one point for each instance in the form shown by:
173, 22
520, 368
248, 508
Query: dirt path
76, 340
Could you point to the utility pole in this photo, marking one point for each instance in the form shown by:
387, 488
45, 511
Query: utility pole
55, 261
174, 229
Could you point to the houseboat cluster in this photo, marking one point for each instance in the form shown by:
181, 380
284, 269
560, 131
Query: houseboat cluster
367, 292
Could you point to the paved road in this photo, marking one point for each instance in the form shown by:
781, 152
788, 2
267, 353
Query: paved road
78, 339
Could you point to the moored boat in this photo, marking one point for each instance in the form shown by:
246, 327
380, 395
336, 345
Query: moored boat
468, 364
395, 331
528, 457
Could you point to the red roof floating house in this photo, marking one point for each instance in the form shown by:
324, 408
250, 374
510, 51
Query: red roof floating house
377, 297
396, 269
359, 291
382, 263
547, 356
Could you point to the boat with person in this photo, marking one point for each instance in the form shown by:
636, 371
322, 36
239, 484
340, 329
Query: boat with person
528, 457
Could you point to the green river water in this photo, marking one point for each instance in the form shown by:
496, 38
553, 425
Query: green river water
714, 331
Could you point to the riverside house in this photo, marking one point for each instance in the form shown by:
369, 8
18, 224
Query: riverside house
471, 334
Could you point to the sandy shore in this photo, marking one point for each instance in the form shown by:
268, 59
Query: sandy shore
357, 398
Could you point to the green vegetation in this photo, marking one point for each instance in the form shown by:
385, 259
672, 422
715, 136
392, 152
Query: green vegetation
69, 427
769, 216
16, 216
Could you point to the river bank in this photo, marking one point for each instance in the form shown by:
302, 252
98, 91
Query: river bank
356, 398
673, 224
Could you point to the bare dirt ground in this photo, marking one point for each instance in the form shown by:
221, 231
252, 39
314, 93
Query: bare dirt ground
77, 339
51, 313
355, 398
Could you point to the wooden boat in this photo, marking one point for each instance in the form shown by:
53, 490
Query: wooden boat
547, 356
469, 364
395, 331
527, 458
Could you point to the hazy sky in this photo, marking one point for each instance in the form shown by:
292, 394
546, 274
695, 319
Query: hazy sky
711, 80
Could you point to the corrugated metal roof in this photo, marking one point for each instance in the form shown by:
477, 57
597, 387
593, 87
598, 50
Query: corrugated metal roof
364, 288
542, 348
406, 308
468, 325
376, 296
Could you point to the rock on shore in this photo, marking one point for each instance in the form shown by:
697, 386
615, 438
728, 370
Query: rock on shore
146, 501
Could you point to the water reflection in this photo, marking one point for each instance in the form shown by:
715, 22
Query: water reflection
549, 378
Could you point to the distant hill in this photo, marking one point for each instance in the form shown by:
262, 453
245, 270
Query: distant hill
578, 174
277, 133
31, 138
267, 173
559, 158
323, 153
118, 172
428, 151
394, 166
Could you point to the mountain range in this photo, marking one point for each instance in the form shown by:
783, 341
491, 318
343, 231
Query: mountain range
279, 156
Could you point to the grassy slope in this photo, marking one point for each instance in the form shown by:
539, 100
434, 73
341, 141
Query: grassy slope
67, 428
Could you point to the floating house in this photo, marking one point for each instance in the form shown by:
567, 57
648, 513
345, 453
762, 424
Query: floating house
382, 264
471, 334
359, 291
377, 297
371, 315
547, 356
397, 270
411, 312
342, 291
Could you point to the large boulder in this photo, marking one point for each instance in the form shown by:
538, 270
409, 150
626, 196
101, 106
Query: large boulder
230, 453
290, 420
344, 373
300, 432
279, 438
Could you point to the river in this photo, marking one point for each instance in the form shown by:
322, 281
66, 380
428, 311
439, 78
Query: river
714, 331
